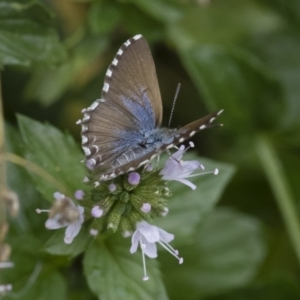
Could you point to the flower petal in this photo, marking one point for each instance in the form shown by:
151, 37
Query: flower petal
134, 242
80, 211
165, 236
148, 231
53, 223
190, 166
71, 232
150, 249
187, 182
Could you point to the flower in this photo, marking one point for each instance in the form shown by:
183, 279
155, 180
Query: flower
97, 212
146, 235
179, 170
64, 213
79, 194
146, 207
134, 178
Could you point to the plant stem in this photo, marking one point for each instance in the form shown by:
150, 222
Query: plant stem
276, 176
3, 185
32, 167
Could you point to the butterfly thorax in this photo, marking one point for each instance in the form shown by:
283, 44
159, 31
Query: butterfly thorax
151, 145
158, 137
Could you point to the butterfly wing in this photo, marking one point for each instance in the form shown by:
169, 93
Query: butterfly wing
130, 106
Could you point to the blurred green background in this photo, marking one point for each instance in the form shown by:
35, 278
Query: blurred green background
242, 56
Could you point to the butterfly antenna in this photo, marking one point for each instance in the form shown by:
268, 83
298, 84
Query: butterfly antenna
174, 102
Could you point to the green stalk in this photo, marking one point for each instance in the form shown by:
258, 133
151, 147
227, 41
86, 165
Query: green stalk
2, 165
278, 182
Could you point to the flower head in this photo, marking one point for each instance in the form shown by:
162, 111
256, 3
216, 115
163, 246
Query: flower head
147, 235
179, 170
64, 213
79, 194
134, 178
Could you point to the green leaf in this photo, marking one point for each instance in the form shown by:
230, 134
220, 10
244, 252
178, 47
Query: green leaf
222, 23
32, 276
163, 10
237, 82
187, 207
56, 246
26, 34
135, 21
113, 273
47, 86
19, 182
286, 68
276, 289
46, 286
56, 154
103, 16
227, 253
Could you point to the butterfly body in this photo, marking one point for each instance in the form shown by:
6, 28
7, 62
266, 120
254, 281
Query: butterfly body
121, 131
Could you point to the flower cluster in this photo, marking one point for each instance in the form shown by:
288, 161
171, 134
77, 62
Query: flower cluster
128, 203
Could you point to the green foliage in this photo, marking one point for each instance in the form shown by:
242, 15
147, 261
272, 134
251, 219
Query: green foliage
56, 153
242, 56
113, 273
227, 252
27, 36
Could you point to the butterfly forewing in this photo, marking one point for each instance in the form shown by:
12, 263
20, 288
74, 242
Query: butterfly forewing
132, 75
130, 105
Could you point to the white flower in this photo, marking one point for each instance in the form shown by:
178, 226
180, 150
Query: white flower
64, 213
179, 170
147, 235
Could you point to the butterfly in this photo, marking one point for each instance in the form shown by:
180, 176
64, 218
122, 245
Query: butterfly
121, 130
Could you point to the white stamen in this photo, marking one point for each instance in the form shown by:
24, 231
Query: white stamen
143, 246
171, 250
215, 172
42, 210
